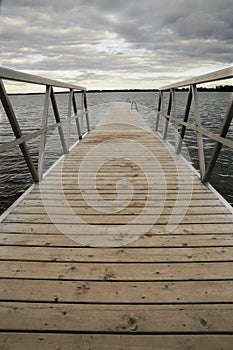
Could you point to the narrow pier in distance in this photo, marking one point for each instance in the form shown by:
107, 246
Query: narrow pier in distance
121, 246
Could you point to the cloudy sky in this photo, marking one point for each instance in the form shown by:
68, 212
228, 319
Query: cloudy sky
105, 44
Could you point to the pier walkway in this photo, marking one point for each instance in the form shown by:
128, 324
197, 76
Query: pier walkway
121, 246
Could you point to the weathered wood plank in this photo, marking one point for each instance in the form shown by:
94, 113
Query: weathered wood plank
117, 255
116, 173
116, 292
145, 241
204, 210
48, 341
116, 318
114, 219
199, 228
137, 182
115, 271
194, 203
110, 195
118, 168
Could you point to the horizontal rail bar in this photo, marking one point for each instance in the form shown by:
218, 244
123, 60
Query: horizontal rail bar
211, 135
11, 144
217, 148
220, 138
17, 131
222, 74
9, 74
20, 139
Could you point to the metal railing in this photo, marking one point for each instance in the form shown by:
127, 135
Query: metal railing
133, 103
171, 116
49, 96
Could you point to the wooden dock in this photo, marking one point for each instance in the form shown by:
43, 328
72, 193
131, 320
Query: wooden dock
104, 283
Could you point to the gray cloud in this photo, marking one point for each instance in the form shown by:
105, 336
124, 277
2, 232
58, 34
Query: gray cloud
112, 42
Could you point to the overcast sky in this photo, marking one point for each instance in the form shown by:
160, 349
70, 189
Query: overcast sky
116, 43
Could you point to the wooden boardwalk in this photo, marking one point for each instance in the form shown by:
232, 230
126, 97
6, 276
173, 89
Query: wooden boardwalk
108, 281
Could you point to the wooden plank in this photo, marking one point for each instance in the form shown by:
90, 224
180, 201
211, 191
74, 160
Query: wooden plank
112, 172
114, 219
116, 292
136, 176
108, 195
104, 179
117, 272
196, 203
160, 150
158, 188
199, 228
71, 172
45, 240
118, 168
127, 164
116, 255
204, 210
137, 186
171, 193
53, 341
116, 318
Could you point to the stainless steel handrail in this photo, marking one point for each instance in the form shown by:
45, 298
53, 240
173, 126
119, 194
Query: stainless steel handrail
9, 74
49, 97
221, 74
206, 170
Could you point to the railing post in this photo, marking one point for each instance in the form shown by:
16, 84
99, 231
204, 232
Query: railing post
58, 120
43, 136
17, 131
77, 117
168, 113
217, 148
173, 102
159, 110
69, 113
86, 110
199, 136
174, 114
186, 115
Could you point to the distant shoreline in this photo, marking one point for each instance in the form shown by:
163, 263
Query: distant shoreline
220, 88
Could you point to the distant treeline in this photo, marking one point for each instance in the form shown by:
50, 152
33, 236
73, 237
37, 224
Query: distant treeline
224, 88
124, 90
221, 88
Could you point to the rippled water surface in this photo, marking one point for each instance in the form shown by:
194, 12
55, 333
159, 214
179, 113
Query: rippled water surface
14, 175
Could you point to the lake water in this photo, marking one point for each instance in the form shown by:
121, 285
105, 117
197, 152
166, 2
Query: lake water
15, 178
